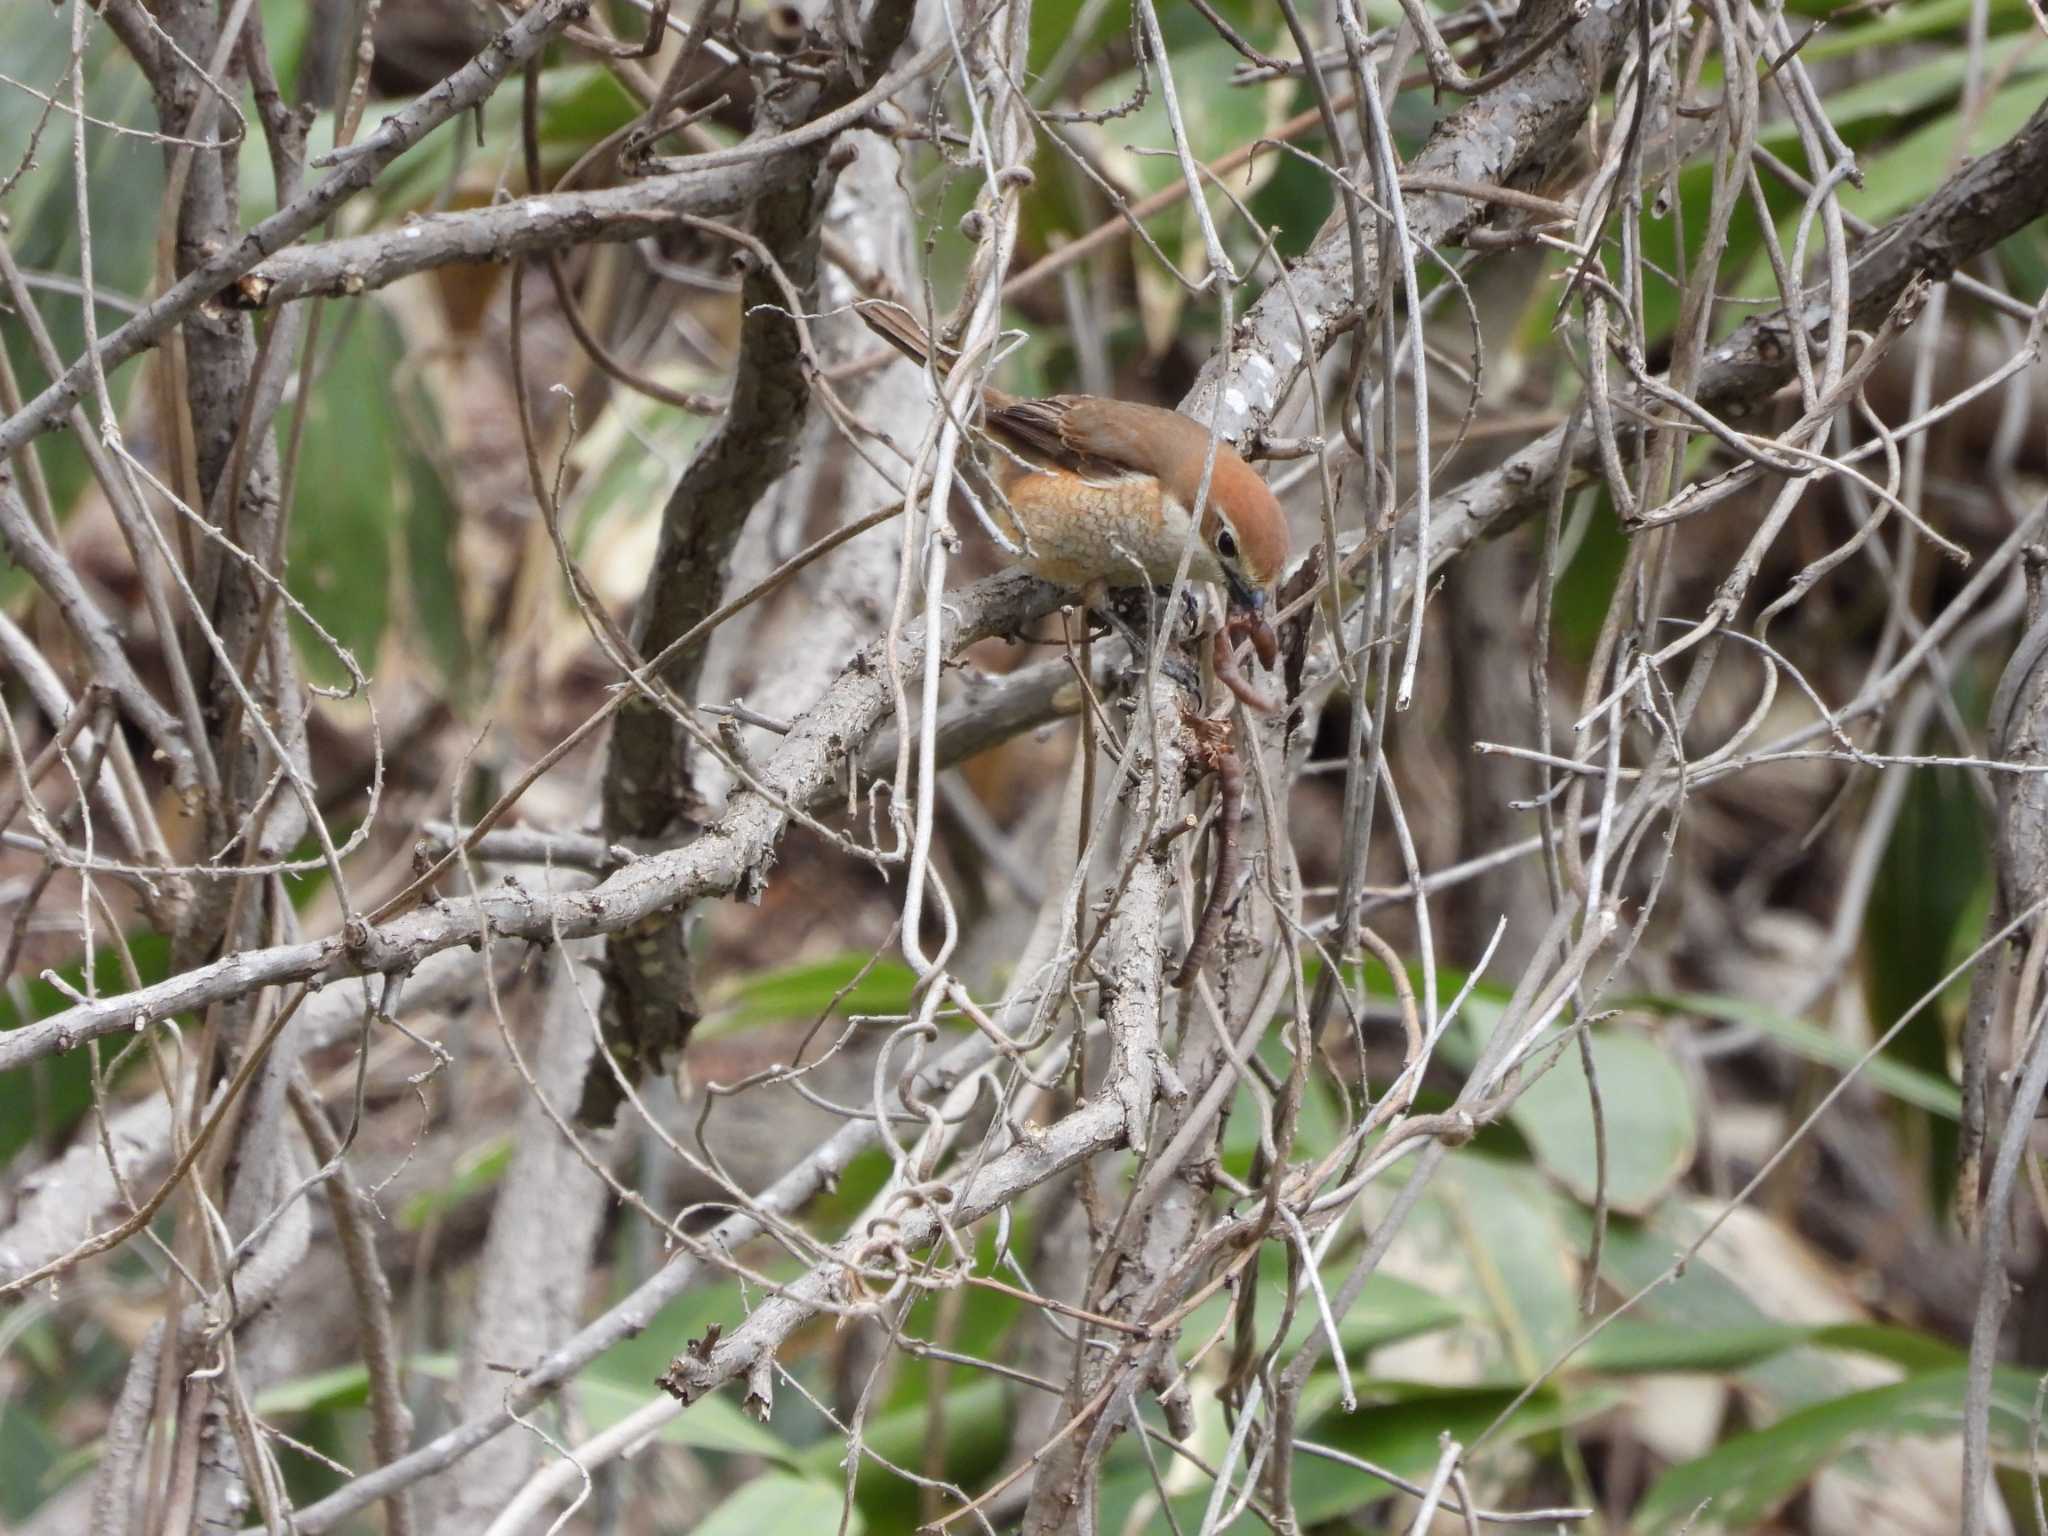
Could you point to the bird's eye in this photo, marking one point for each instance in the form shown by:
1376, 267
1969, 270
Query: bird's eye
1226, 546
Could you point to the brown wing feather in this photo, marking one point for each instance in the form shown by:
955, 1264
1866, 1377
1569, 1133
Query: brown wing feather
1147, 439
1100, 438
1034, 426
896, 325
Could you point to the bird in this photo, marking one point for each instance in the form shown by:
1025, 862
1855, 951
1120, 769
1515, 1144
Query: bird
1098, 491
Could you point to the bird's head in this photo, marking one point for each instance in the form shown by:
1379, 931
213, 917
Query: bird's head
1246, 531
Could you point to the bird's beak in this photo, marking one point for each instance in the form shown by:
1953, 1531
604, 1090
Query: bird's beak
1242, 593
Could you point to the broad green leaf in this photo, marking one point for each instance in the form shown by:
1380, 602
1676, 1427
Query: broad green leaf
1053, 24
1317, 1128
347, 502
1387, 1310
977, 1321
1918, 1352
847, 984
1586, 585
1505, 1220
1646, 1108
285, 24
432, 601
372, 526
1704, 1297
899, 1435
1218, 117
1638, 1347
1907, 1084
1899, 93
626, 462
780, 1505
1906, 173
1396, 1426
346, 1386
1745, 1478
1928, 889
1399, 1426
976, 1420
635, 1361
1925, 18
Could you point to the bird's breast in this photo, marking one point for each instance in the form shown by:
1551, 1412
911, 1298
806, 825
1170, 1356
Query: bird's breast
1121, 530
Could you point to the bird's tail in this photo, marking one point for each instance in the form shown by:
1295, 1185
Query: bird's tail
897, 326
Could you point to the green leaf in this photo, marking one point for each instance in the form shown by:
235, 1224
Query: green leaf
1933, 869
124, 182
1907, 1084
1905, 174
638, 1359
898, 1436
1926, 18
1317, 1130
1398, 1426
433, 600
1586, 585
978, 1318
846, 984
475, 1171
44, 1099
1053, 23
32, 1462
1387, 1311
285, 24
346, 1386
976, 1422
780, 1505
1898, 93
712, 1423
1745, 1478
345, 505
1703, 1297
1648, 1113
1632, 1347
1506, 1221
1918, 1352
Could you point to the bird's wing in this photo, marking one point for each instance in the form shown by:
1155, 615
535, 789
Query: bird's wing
1037, 427
898, 326
1096, 437
1145, 439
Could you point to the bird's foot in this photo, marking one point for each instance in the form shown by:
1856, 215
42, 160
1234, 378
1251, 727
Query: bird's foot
1133, 614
